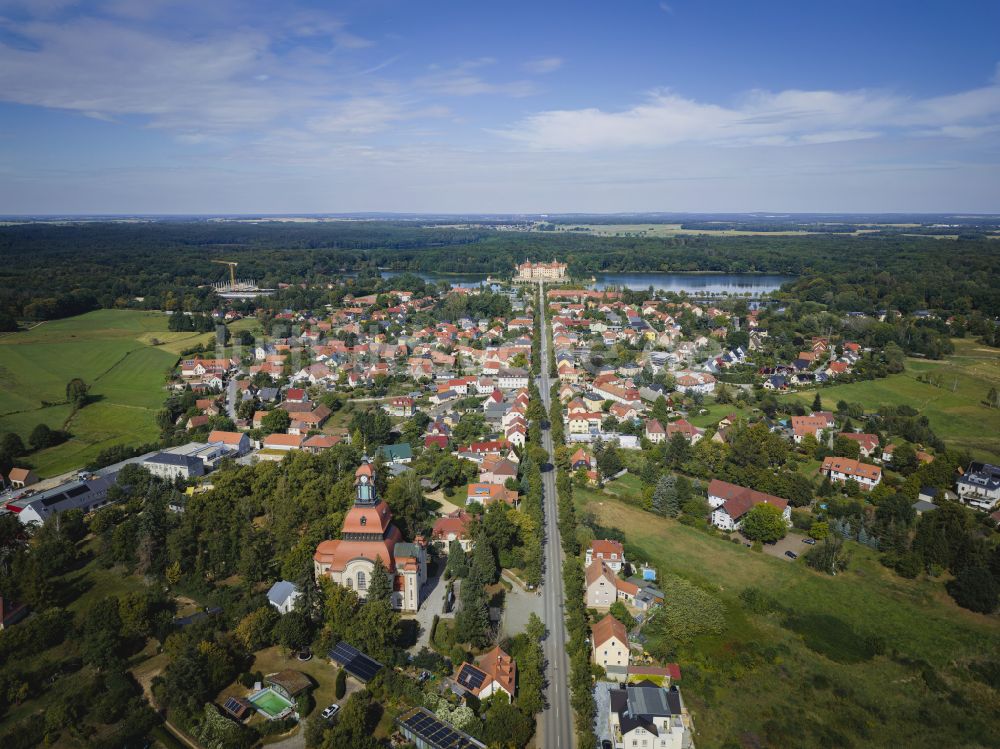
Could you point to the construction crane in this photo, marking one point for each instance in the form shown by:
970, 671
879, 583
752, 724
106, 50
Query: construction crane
232, 270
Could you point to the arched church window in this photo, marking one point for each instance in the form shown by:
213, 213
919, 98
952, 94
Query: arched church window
362, 582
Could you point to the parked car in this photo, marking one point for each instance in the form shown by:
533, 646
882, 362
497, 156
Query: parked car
791, 555
424, 676
606, 744
330, 712
809, 541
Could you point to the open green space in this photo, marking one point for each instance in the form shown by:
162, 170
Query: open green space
819, 677
113, 352
954, 403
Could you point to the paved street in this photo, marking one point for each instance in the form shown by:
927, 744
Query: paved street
557, 718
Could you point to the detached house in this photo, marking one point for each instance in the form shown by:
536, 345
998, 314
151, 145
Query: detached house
842, 469
610, 644
682, 426
813, 424
655, 432
868, 443
494, 672
731, 502
401, 406
612, 553
979, 486
648, 716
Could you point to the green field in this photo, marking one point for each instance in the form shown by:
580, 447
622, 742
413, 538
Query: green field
955, 408
112, 351
817, 685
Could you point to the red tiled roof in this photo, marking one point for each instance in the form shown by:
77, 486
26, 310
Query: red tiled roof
607, 628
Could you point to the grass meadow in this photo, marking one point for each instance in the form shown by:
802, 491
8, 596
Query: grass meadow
112, 351
954, 404
819, 685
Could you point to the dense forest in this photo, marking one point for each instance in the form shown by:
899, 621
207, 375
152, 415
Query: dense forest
55, 270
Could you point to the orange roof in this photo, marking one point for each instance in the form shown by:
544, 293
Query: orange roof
597, 570
851, 467
605, 548
373, 519
283, 440
500, 667
227, 438
607, 628
338, 553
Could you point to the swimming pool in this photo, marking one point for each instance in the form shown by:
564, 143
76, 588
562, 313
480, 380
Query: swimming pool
270, 703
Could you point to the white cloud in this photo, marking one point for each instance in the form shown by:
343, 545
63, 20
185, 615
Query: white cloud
543, 65
759, 118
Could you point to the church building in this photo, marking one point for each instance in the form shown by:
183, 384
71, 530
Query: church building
368, 533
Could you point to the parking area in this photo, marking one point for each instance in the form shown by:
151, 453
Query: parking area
792, 542
519, 605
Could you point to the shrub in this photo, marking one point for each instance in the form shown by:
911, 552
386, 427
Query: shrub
341, 686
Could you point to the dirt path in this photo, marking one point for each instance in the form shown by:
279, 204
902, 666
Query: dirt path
145, 679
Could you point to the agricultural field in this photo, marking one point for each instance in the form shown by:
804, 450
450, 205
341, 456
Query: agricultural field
114, 352
823, 685
954, 401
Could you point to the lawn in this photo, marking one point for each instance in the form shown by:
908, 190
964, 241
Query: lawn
955, 408
274, 659
112, 351
819, 681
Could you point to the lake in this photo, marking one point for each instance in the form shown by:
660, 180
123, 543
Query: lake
693, 283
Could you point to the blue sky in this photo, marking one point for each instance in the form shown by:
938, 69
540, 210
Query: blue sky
167, 106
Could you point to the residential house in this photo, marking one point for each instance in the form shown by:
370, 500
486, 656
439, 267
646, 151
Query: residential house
401, 406
731, 502
401, 453
841, 469
690, 432
695, 382
493, 672
512, 378
868, 443
813, 424
649, 716
602, 585
655, 432
453, 527
612, 553
979, 486
609, 643
487, 494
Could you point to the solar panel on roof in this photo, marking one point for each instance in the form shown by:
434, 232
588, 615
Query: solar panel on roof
471, 677
435, 733
355, 662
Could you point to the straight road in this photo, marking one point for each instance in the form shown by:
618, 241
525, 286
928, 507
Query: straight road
557, 718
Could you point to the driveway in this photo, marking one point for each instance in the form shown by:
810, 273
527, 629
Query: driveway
432, 602
602, 715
